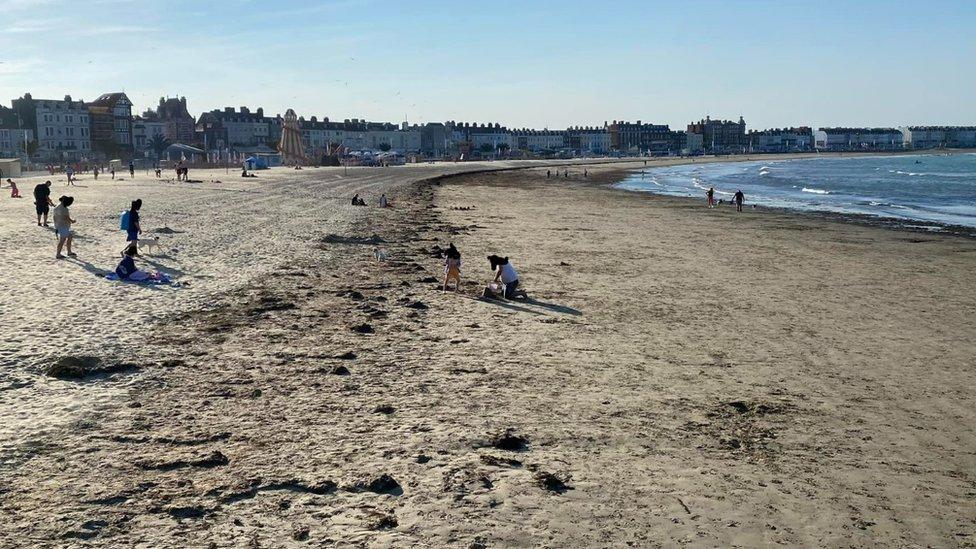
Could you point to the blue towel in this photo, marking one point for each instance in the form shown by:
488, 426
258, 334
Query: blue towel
163, 279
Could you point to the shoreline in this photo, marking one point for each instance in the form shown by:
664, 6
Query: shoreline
882, 221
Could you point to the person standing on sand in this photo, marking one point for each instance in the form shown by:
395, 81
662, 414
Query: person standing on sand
710, 193
384, 203
95, 172
548, 173
113, 172
738, 198
42, 201
62, 225
134, 229
132, 170
452, 268
70, 172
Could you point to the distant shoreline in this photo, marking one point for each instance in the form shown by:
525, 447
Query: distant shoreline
887, 222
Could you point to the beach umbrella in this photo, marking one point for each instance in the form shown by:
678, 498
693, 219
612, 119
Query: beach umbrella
291, 148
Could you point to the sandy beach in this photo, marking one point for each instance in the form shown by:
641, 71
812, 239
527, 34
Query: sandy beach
682, 376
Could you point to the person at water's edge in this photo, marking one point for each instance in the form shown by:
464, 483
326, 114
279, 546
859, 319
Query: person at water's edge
738, 198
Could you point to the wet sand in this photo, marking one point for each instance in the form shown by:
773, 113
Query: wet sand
682, 376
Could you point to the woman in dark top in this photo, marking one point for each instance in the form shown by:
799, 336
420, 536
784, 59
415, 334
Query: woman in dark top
134, 229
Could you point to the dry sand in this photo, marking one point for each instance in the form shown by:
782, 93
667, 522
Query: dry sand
684, 376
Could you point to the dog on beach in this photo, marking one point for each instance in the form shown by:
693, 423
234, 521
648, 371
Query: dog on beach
380, 254
149, 245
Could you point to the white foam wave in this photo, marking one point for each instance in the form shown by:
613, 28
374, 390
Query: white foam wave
814, 191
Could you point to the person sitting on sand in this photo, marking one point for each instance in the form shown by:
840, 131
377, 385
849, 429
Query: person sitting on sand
738, 198
14, 191
507, 275
127, 269
62, 225
452, 268
355, 199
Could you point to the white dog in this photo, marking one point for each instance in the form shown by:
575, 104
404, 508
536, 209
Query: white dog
149, 245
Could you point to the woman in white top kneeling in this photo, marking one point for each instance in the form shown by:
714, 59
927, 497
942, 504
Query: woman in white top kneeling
507, 275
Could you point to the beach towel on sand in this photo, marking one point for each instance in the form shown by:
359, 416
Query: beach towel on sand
157, 279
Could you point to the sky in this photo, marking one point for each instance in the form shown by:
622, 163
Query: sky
529, 63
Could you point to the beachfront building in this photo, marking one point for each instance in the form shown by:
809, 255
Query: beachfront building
780, 140
641, 138
588, 141
61, 126
111, 124
934, 137
720, 136
145, 128
230, 129
537, 141
324, 137
321, 137
434, 140
14, 138
467, 139
694, 144
178, 122
858, 139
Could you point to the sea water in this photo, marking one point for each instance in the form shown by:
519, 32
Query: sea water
924, 188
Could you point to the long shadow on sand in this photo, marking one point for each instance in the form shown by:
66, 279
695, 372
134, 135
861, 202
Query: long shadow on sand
521, 306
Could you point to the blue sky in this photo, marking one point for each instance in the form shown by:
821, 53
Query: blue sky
530, 63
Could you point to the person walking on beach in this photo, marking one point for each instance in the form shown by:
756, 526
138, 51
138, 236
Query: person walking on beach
710, 193
548, 173
62, 225
132, 170
133, 229
95, 172
738, 198
42, 201
452, 268
70, 172
113, 172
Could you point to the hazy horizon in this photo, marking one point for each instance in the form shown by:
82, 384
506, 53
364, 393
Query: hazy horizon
551, 64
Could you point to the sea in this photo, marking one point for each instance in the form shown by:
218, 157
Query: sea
934, 189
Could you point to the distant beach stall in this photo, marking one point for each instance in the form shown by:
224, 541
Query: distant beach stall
256, 163
180, 152
10, 167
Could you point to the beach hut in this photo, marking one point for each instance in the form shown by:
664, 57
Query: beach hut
9, 167
291, 148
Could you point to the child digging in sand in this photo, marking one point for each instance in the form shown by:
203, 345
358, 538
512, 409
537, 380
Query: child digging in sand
452, 268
